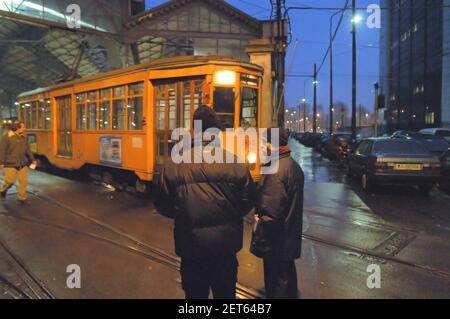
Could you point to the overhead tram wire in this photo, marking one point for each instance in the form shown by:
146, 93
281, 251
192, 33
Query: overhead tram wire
334, 35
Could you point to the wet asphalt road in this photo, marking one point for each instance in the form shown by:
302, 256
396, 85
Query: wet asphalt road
125, 248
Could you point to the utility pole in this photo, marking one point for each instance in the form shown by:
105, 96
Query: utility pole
315, 100
281, 55
331, 78
360, 115
354, 21
377, 87
304, 114
331, 73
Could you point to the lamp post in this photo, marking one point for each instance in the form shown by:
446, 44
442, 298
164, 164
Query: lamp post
331, 72
315, 100
355, 20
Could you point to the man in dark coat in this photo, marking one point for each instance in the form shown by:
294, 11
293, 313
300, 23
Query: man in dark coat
279, 215
208, 203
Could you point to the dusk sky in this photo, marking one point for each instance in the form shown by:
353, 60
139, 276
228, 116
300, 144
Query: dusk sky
311, 28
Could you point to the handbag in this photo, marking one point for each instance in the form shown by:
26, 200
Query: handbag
266, 238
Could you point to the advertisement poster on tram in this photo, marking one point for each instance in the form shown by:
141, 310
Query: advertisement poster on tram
111, 150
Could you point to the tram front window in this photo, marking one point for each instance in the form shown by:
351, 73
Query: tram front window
224, 105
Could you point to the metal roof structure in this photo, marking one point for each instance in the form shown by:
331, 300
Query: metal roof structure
38, 48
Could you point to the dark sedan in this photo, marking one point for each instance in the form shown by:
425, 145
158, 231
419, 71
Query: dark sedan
445, 182
435, 144
394, 161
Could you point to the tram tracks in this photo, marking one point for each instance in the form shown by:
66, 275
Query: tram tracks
134, 245
37, 288
137, 246
371, 254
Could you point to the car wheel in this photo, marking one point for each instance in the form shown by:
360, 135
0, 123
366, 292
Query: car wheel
425, 189
366, 183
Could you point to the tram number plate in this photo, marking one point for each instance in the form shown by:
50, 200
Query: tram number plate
408, 167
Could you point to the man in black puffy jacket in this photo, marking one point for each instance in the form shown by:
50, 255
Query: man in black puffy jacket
277, 236
208, 203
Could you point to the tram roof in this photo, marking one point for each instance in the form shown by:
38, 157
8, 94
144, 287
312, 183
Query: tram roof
160, 64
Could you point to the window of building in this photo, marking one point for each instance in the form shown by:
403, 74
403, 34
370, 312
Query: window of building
430, 118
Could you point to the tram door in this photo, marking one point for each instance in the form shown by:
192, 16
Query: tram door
176, 102
64, 126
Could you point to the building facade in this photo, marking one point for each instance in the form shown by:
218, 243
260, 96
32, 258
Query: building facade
415, 63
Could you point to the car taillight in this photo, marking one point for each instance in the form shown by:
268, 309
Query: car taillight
381, 165
433, 165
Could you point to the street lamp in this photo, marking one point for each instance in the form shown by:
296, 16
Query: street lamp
355, 20
331, 71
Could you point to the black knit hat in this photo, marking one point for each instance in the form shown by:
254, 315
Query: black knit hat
208, 117
283, 136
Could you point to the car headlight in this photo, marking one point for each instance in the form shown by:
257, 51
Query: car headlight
251, 158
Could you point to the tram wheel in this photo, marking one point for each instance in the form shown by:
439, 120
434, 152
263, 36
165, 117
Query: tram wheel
141, 187
107, 178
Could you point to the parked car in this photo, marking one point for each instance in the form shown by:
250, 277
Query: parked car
441, 132
435, 144
445, 181
332, 146
394, 161
311, 139
319, 145
297, 136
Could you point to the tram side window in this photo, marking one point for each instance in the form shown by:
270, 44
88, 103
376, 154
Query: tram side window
249, 107
92, 115
81, 117
92, 110
45, 112
118, 120
105, 110
187, 104
34, 110
22, 112
135, 113
119, 111
161, 106
135, 106
81, 111
172, 107
28, 115
40, 114
224, 105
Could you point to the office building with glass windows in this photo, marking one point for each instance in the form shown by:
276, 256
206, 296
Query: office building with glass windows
415, 63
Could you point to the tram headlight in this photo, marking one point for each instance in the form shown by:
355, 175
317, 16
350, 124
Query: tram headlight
224, 77
251, 158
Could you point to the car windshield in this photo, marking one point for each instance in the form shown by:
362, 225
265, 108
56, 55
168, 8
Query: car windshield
343, 138
399, 147
444, 134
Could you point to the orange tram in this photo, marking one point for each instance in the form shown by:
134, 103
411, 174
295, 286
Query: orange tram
117, 125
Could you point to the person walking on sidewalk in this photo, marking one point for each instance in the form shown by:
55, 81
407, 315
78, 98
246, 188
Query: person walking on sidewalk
208, 202
15, 157
279, 219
